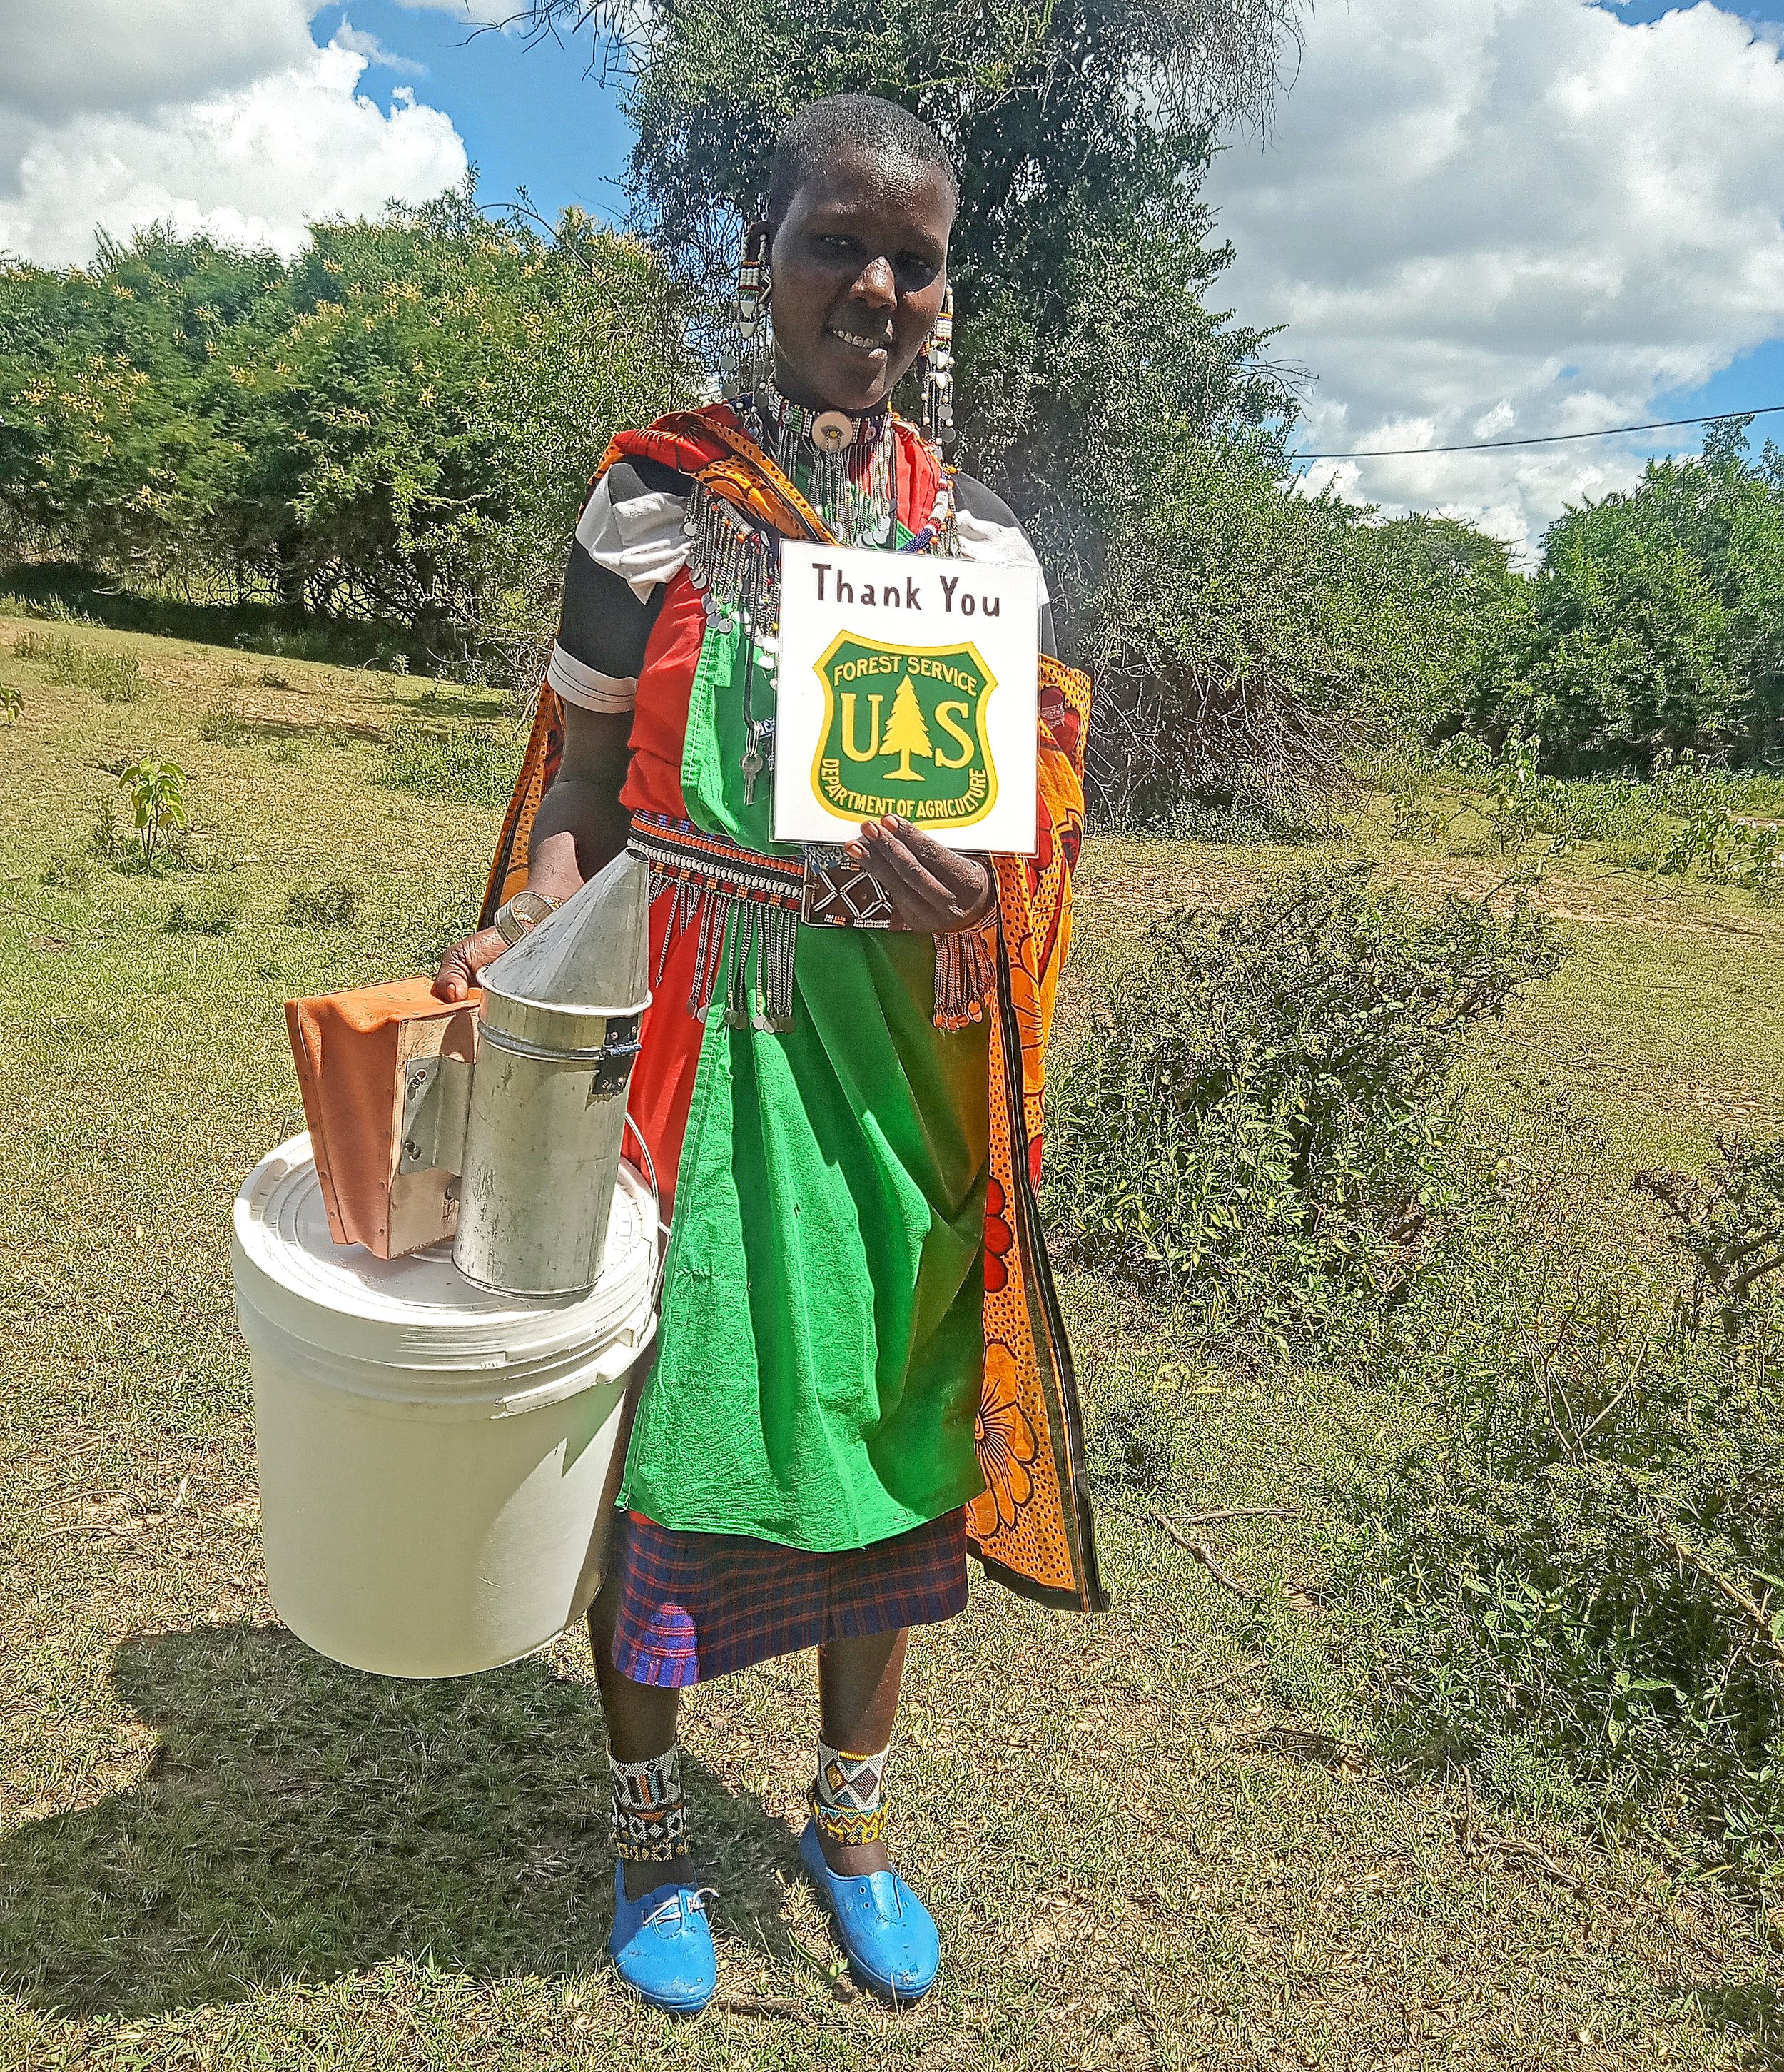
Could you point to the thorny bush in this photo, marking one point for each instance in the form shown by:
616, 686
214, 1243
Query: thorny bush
1572, 1587
1258, 1125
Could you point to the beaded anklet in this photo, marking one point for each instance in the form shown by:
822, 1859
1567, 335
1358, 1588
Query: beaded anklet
650, 1810
848, 1797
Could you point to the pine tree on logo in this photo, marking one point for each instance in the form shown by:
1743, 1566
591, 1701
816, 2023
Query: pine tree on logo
907, 734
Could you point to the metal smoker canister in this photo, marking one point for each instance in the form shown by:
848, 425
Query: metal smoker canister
557, 1035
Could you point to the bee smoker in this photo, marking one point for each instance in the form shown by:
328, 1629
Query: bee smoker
532, 1123
557, 1035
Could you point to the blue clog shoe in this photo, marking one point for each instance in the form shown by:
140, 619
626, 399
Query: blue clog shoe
888, 1932
662, 1945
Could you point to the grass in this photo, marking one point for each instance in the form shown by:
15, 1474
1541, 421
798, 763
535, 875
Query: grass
217, 1850
472, 761
115, 672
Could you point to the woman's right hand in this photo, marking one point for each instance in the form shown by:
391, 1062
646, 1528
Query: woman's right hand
461, 964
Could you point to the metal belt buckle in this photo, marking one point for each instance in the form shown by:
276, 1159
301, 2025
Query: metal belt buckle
839, 893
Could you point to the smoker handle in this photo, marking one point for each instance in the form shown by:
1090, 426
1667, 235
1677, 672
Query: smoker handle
656, 1209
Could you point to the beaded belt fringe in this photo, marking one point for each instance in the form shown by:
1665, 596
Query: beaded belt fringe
745, 971
711, 880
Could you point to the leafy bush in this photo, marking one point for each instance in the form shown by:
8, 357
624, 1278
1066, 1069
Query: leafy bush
12, 702
214, 912
120, 846
157, 839
115, 673
1729, 1223
334, 903
1258, 1121
66, 873
1572, 1586
476, 761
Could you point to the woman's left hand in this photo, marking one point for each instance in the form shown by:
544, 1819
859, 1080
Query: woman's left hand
934, 890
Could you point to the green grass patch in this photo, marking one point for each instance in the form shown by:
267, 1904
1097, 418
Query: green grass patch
475, 761
1147, 1837
116, 673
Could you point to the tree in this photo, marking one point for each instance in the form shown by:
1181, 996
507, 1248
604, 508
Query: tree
907, 734
1082, 260
398, 425
1655, 624
1256, 635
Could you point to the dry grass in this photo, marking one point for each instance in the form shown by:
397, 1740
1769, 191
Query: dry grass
217, 1850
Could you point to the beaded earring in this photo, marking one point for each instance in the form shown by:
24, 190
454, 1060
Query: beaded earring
754, 291
939, 377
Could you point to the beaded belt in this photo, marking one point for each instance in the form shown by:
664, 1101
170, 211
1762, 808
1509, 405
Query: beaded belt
749, 967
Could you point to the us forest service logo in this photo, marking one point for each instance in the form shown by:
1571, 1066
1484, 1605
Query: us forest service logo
904, 733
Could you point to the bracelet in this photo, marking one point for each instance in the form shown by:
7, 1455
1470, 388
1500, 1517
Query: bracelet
521, 914
988, 911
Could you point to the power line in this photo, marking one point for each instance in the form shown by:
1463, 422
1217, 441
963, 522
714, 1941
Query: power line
1547, 439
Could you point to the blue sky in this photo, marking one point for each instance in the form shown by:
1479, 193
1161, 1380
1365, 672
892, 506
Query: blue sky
1471, 218
530, 116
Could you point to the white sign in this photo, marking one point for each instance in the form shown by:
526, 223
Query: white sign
905, 685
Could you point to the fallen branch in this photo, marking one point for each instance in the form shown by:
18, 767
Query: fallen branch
1205, 1554
1473, 1839
762, 2006
1193, 1518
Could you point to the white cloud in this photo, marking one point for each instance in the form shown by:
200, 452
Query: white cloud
368, 47
487, 14
82, 56
230, 120
1485, 218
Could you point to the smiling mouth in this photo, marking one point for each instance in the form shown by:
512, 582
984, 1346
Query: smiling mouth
858, 341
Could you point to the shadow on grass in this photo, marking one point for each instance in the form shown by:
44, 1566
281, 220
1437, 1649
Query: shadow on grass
239, 727
1754, 2013
301, 1820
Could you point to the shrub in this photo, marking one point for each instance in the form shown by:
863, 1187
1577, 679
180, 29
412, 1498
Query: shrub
115, 673
66, 873
1258, 1120
476, 761
1583, 1563
12, 702
157, 792
214, 912
334, 903
121, 846
1729, 1223
225, 721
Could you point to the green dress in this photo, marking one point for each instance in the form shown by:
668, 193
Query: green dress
821, 1339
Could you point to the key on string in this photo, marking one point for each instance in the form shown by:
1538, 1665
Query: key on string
754, 761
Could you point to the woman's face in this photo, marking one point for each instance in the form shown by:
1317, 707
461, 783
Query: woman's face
859, 266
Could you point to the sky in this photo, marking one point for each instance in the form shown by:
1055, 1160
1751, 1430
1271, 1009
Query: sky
1474, 219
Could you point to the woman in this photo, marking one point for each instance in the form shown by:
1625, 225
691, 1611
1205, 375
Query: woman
859, 1366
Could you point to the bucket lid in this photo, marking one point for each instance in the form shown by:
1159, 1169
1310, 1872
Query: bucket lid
419, 1311
592, 954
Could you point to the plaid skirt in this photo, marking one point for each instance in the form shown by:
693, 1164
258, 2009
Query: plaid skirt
693, 1605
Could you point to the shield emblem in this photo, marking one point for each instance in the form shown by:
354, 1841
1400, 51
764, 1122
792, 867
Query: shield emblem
904, 732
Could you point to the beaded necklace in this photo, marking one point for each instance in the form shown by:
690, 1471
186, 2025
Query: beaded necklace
850, 470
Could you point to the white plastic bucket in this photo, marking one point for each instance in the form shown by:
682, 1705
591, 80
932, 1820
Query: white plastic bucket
437, 1461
